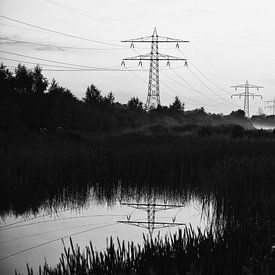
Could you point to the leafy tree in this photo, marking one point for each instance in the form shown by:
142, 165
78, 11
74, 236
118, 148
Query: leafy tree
93, 95
56, 90
238, 113
6, 81
40, 83
64, 108
23, 79
177, 105
110, 99
135, 104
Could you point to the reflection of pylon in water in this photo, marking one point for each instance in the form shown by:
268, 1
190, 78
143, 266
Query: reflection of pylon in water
151, 208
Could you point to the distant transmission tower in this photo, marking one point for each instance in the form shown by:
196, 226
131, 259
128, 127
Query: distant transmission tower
246, 94
153, 98
151, 208
271, 106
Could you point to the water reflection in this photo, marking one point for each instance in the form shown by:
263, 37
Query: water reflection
35, 231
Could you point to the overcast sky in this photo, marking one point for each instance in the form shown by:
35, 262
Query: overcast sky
230, 42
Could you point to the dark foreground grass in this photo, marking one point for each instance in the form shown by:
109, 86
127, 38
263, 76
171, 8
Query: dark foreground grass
236, 174
40, 167
185, 252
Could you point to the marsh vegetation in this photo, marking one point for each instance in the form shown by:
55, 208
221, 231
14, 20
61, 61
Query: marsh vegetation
123, 153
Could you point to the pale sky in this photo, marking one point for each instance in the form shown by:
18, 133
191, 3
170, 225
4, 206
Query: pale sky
230, 42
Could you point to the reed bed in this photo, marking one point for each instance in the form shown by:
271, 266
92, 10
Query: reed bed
236, 175
185, 252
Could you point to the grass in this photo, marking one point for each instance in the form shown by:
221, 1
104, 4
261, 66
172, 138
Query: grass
236, 174
185, 252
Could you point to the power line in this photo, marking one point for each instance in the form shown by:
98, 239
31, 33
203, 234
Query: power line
87, 70
34, 63
60, 33
57, 230
18, 27
50, 231
179, 94
206, 77
213, 92
36, 217
56, 220
161, 83
214, 69
209, 79
191, 88
59, 62
54, 240
60, 46
94, 16
66, 69
71, 69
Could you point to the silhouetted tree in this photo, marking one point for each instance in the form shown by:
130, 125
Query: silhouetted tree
110, 98
93, 95
177, 105
238, 113
40, 83
135, 104
23, 80
56, 90
6, 81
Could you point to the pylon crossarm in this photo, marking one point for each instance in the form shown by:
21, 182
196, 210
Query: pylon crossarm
167, 208
139, 57
148, 39
164, 39
250, 86
158, 207
139, 224
160, 57
156, 224
165, 225
169, 57
144, 39
254, 95
152, 204
241, 94
138, 207
238, 86
254, 86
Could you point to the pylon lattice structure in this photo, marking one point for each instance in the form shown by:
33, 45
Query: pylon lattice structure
153, 97
246, 94
151, 208
272, 107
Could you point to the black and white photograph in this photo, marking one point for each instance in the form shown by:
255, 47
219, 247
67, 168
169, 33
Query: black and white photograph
137, 137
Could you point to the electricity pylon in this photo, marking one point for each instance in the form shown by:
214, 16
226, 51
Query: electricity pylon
271, 106
246, 94
153, 97
151, 208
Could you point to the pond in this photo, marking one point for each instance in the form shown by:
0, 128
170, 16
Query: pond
33, 236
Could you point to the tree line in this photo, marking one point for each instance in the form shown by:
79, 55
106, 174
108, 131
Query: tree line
29, 101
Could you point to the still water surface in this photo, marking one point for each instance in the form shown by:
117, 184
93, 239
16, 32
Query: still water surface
32, 238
